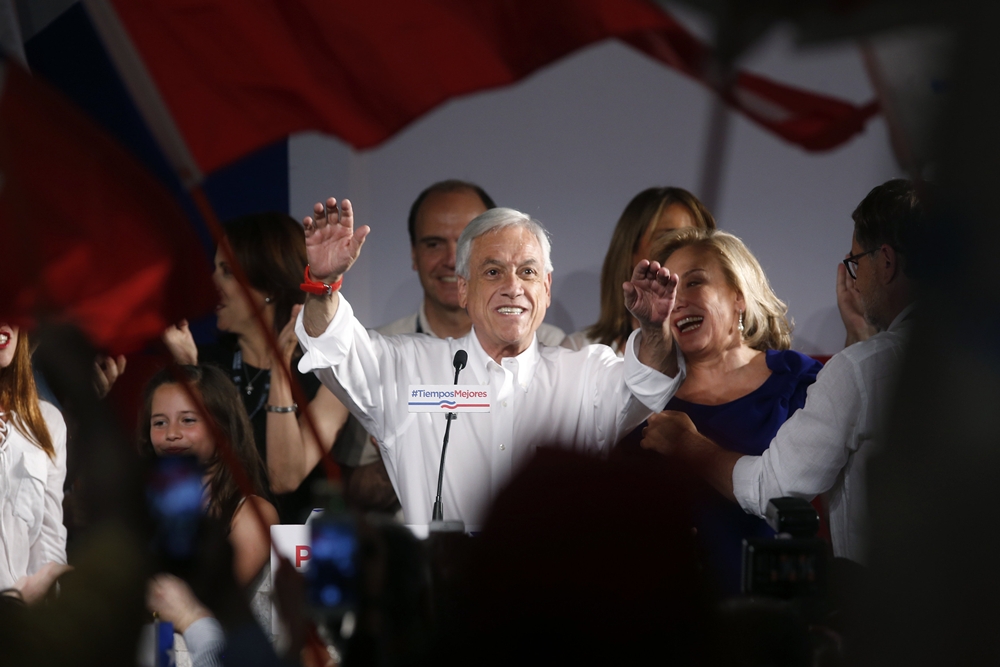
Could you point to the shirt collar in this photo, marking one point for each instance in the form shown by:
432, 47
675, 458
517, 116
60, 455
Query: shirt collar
423, 326
902, 318
481, 362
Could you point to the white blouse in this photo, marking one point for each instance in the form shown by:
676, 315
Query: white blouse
31, 495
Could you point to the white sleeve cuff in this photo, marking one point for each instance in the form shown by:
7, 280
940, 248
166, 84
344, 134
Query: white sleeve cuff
205, 641
332, 346
650, 386
746, 484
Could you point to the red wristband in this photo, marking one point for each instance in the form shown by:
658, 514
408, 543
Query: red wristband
320, 288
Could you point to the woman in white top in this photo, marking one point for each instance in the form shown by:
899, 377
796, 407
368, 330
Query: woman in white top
32, 467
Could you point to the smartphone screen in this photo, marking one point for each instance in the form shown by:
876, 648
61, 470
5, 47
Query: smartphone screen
175, 494
332, 566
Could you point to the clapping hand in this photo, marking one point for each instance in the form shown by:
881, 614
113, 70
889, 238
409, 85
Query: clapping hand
332, 243
180, 343
106, 372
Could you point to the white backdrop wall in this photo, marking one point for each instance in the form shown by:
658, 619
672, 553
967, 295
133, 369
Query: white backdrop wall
573, 143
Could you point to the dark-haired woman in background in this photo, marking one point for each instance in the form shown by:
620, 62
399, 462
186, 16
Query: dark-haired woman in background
650, 215
32, 468
271, 249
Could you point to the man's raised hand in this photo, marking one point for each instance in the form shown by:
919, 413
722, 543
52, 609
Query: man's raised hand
651, 293
332, 243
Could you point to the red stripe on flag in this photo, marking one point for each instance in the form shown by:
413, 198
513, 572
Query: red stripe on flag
240, 75
89, 235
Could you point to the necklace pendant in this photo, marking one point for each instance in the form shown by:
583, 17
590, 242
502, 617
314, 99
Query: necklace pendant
249, 389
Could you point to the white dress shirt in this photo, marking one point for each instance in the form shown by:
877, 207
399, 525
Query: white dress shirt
353, 446
544, 396
31, 494
825, 446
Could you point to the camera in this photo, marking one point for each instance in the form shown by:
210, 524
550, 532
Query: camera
793, 564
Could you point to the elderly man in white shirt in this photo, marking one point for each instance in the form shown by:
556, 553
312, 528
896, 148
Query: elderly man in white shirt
825, 446
537, 395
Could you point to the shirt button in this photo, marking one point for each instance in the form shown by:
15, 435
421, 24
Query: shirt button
503, 403
502, 447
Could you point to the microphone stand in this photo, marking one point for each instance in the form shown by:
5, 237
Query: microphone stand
437, 513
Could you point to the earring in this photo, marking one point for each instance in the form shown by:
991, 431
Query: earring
267, 299
740, 327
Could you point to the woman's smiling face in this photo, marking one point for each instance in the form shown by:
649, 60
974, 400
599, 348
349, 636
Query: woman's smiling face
8, 344
705, 320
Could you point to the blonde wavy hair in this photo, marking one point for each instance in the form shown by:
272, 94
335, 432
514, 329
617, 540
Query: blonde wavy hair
765, 320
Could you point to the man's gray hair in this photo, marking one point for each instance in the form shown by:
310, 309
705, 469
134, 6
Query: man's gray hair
498, 218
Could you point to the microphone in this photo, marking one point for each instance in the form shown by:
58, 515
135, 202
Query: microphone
459, 362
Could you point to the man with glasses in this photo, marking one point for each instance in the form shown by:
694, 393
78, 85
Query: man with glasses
824, 447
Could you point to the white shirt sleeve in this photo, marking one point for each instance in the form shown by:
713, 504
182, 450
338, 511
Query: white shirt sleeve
346, 358
650, 386
51, 543
206, 642
810, 449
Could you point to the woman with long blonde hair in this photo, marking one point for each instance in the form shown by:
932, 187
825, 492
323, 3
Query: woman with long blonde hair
743, 380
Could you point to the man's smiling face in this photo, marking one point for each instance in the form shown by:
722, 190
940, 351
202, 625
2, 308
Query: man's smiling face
508, 290
440, 221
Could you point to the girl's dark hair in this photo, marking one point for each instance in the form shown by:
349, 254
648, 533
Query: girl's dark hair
271, 248
222, 400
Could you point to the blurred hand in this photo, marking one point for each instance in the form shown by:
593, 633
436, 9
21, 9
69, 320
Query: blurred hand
180, 342
34, 587
172, 600
669, 432
287, 340
651, 293
332, 243
106, 372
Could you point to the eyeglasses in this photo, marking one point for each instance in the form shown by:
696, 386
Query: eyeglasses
852, 263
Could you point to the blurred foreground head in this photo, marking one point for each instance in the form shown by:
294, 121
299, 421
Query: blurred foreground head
590, 560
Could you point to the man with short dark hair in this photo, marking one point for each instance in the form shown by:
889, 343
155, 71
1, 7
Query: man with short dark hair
824, 446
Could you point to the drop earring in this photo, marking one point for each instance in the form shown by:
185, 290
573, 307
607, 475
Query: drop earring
740, 327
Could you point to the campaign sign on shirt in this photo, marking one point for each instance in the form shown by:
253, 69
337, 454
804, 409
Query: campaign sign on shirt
449, 398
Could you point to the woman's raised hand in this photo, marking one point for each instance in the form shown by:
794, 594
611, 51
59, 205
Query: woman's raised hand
332, 243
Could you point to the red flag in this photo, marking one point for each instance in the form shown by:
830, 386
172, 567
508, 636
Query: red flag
238, 75
815, 122
88, 235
